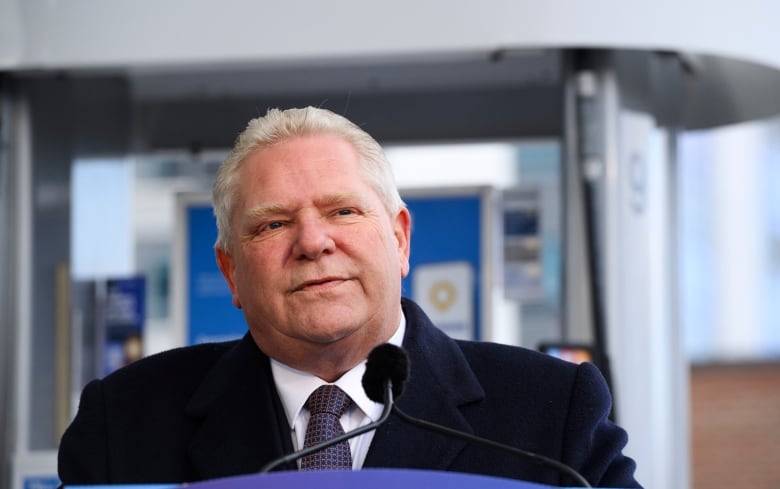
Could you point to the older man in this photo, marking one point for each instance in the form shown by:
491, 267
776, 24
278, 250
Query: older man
313, 242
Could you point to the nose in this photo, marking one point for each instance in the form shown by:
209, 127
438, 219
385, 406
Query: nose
313, 238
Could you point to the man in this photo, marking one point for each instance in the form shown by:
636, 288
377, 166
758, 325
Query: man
313, 242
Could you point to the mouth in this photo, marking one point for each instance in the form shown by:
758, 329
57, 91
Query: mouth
319, 284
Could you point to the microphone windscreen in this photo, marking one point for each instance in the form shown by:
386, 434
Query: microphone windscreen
385, 361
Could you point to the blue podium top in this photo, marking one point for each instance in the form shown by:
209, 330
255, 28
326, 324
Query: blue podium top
343, 479
366, 478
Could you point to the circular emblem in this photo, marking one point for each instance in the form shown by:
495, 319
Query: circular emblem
442, 295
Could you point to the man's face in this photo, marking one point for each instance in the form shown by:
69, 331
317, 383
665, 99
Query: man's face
317, 262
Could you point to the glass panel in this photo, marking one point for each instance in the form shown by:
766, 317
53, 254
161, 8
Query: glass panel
729, 181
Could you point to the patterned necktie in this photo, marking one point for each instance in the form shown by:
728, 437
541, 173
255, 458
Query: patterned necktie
326, 406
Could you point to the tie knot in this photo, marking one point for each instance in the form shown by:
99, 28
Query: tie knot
328, 399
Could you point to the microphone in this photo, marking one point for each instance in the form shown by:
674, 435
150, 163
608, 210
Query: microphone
387, 369
386, 362
397, 368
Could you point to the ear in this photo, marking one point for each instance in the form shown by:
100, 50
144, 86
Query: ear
402, 230
227, 267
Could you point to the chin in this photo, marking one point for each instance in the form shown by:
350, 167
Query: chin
330, 333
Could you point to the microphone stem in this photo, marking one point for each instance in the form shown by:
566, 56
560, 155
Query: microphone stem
541, 459
290, 457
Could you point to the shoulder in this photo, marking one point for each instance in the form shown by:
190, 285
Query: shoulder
509, 373
179, 361
178, 370
190, 356
483, 352
520, 369
494, 365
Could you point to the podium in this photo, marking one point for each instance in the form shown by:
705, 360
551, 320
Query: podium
365, 479
343, 479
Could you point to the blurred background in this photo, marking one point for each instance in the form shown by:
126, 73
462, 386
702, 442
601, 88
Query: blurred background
598, 180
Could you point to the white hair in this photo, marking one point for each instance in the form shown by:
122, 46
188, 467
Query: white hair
279, 125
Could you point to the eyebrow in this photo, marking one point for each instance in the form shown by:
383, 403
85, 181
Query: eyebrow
337, 198
328, 200
265, 210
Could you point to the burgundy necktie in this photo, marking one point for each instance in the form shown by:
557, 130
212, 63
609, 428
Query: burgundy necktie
326, 406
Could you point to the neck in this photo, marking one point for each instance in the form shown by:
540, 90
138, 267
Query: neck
327, 361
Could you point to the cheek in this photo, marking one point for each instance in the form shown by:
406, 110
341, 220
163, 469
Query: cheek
262, 255
395, 263
252, 271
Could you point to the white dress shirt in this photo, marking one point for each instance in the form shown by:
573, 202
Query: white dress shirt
295, 387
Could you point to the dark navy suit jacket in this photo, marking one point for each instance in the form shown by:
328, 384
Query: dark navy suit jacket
212, 410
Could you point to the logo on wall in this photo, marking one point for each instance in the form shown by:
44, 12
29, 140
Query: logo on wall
442, 295
445, 291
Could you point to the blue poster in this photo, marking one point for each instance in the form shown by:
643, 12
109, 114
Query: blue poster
210, 312
447, 229
124, 313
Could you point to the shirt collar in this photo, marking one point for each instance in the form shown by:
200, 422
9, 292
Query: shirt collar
295, 386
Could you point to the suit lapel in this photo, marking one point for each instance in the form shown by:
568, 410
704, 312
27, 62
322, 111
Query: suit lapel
238, 416
440, 383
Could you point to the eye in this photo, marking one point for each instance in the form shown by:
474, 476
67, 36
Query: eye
268, 227
345, 212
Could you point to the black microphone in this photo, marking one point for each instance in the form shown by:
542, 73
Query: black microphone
385, 362
398, 365
386, 372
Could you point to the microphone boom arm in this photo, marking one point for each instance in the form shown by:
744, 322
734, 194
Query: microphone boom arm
541, 459
290, 457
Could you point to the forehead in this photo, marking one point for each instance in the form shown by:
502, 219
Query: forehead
303, 152
301, 164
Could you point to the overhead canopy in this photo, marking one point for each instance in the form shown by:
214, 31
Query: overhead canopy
733, 45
